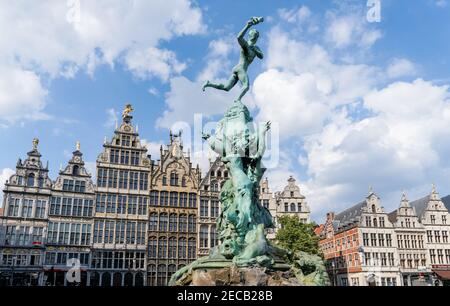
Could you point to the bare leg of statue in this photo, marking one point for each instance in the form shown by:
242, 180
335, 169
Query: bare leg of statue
243, 77
230, 84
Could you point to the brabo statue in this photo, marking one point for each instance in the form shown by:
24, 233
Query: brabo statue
243, 249
248, 52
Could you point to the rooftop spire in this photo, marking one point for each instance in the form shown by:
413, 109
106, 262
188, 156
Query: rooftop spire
77, 145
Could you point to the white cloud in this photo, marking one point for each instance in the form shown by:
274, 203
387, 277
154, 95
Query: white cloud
400, 67
400, 147
21, 95
112, 118
5, 175
295, 15
217, 60
40, 40
441, 3
153, 62
351, 29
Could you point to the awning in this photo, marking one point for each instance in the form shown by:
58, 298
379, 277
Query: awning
444, 274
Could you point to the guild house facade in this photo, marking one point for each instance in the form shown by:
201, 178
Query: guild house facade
366, 246
135, 225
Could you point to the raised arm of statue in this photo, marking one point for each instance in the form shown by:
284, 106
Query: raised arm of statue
241, 35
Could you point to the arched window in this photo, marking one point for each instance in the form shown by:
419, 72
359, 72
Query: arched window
106, 279
375, 222
203, 236
225, 174
172, 223
192, 246
162, 275
192, 223
374, 208
292, 206
173, 179
182, 248
162, 248
128, 279
152, 275
139, 280
213, 236
76, 170
219, 173
153, 222
152, 247
172, 253
182, 223
30, 180
163, 220
172, 269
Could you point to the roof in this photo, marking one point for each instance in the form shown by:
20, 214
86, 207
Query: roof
392, 217
319, 229
420, 205
446, 201
349, 215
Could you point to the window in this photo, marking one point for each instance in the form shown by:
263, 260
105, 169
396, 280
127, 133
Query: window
299, 207
430, 236
173, 223
286, 207
40, 209
134, 178
182, 223
13, 207
182, 248
365, 239
153, 222
174, 179
164, 181
100, 203
123, 179
101, 177
444, 219
172, 251
109, 232
162, 247
98, 231
134, 158
112, 178
164, 198
214, 209
111, 203
152, 247
30, 180
373, 239
192, 200
183, 182
173, 199
163, 220
388, 240
433, 219
444, 236
192, 248
382, 222
27, 208
440, 256
142, 206
120, 232
154, 198
191, 223
213, 236
292, 206
76, 170
183, 199
121, 204
114, 156
143, 181
381, 239
374, 208
368, 222
375, 222
131, 232
203, 208
447, 256
124, 157
203, 236
437, 236
433, 256
132, 205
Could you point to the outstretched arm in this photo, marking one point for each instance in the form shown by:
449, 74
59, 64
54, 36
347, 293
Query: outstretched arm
241, 35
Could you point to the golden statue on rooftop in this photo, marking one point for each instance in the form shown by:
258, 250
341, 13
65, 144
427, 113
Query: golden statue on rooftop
126, 112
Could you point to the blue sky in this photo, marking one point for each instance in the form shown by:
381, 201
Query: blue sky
363, 103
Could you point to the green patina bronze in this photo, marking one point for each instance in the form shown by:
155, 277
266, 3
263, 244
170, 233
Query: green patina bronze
243, 220
249, 51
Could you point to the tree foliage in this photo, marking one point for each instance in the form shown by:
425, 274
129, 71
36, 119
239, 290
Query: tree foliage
296, 236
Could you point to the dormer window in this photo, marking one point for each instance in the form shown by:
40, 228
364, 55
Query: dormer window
173, 179
76, 170
292, 194
374, 208
30, 180
41, 182
292, 207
